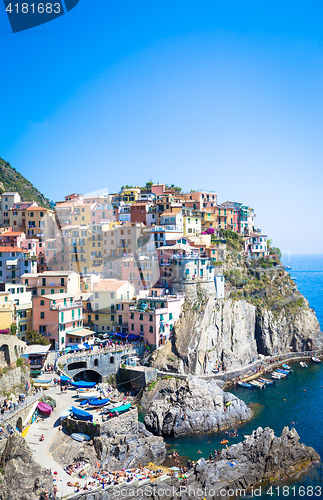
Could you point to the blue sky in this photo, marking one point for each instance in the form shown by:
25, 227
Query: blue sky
221, 95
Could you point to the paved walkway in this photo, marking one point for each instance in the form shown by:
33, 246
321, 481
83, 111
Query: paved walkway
49, 427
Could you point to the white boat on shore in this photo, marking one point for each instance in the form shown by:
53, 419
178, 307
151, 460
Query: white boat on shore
88, 395
303, 364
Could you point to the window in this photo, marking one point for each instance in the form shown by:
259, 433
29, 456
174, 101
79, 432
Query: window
112, 360
151, 318
132, 326
132, 315
23, 328
42, 315
141, 317
61, 291
62, 282
112, 317
151, 329
96, 317
42, 302
170, 315
42, 292
112, 295
52, 291
96, 295
42, 328
142, 328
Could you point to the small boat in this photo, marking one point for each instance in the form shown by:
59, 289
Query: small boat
266, 381
98, 402
258, 384
45, 408
83, 385
287, 367
81, 415
315, 359
79, 436
224, 441
303, 364
112, 406
88, 395
245, 384
277, 375
126, 407
280, 370
287, 268
50, 401
44, 384
66, 413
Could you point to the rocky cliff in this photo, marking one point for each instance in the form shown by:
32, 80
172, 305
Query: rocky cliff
21, 477
262, 457
192, 406
263, 314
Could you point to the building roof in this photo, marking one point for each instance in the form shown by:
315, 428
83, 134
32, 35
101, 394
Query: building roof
82, 332
9, 192
12, 233
12, 249
33, 209
57, 273
37, 349
55, 296
107, 285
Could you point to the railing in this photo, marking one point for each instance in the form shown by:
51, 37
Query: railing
28, 400
58, 307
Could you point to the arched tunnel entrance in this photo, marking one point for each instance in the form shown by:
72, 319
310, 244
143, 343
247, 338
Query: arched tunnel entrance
89, 376
19, 424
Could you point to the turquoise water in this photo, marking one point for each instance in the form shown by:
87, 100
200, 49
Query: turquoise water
296, 399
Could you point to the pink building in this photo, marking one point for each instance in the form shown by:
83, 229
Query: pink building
102, 213
34, 246
12, 238
200, 200
59, 317
153, 318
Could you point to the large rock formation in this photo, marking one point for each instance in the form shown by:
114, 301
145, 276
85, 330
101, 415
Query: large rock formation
193, 406
22, 477
262, 457
233, 332
124, 451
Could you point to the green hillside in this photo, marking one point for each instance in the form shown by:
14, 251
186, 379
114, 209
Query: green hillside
11, 180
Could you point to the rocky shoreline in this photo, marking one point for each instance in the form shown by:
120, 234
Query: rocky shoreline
178, 407
262, 457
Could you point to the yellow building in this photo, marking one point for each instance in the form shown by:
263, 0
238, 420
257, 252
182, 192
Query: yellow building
82, 215
208, 220
109, 306
39, 222
7, 311
191, 221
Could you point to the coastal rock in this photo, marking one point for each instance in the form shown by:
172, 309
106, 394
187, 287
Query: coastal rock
261, 457
22, 477
193, 406
233, 333
120, 451
124, 451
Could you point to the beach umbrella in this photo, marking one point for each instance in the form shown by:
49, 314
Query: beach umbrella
81, 347
175, 468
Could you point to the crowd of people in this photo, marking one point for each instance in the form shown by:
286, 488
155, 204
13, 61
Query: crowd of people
107, 478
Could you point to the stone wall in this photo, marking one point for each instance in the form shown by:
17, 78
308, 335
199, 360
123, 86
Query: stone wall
105, 363
11, 348
126, 423
138, 376
13, 380
89, 428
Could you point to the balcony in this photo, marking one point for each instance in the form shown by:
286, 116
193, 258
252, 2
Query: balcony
61, 307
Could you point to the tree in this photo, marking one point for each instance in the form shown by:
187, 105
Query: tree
149, 184
33, 337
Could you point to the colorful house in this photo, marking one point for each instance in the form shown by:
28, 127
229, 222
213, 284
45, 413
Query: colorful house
153, 318
60, 318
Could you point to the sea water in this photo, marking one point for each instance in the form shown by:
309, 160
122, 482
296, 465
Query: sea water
295, 402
